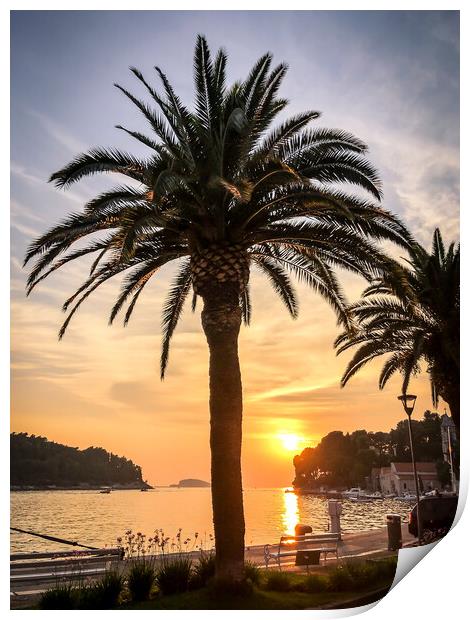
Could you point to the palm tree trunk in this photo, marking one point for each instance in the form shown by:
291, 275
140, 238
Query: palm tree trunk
221, 319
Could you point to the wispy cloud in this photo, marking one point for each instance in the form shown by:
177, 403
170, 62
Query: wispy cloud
30, 177
25, 230
21, 172
59, 133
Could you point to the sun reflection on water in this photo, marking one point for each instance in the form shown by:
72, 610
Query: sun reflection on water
290, 514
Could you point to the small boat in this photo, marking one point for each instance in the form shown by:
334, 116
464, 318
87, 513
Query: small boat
406, 498
354, 492
360, 500
143, 490
105, 491
375, 495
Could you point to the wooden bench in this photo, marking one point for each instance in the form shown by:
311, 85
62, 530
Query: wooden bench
304, 548
32, 573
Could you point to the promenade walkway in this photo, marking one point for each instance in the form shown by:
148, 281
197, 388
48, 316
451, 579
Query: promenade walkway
367, 544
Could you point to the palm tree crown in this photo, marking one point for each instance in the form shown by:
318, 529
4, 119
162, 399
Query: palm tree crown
218, 192
413, 319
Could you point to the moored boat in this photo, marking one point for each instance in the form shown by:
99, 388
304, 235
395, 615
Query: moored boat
406, 498
353, 492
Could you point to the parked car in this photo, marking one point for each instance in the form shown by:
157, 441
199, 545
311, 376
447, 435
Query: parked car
436, 515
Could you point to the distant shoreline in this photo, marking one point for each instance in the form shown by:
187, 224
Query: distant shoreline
82, 487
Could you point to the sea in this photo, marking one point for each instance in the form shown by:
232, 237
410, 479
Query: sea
97, 520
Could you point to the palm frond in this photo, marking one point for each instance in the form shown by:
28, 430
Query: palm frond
100, 160
279, 280
173, 308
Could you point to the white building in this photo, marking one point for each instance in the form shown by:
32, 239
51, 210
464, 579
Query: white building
399, 478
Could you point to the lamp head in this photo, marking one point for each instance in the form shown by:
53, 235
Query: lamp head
408, 401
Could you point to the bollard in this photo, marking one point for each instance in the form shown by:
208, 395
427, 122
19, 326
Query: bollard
335, 510
301, 529
394, 532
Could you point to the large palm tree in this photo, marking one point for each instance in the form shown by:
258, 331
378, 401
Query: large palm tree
413, 316
218, 193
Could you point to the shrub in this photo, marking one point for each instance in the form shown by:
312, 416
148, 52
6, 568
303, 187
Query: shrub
203, 570
224, 587
62, 596
362, 573
313, 584
140, 580
173, 577
279, 582
384, 568
253, 573
340, 580
357, 575
102, 594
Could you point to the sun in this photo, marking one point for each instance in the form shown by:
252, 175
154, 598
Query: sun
290, 441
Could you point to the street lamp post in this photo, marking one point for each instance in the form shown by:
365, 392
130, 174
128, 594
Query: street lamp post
451, 461
408, 401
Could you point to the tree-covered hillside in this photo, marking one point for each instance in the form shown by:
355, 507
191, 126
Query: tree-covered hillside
344, 460
36, 461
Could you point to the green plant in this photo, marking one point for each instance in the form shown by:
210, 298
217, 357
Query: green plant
253, 573
362, 573
61, 596
313, 584
203, 570
102, 594
384, 568
174, 576
280, 582
223, 587
340, 580
140, 580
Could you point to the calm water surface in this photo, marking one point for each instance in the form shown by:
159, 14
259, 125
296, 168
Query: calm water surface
97, 520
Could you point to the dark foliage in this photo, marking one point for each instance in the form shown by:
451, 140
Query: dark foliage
223, 587
253, 573
140, 580
414, 318
203, 570
342, 460
340, 579
174, 576
38, 461
62, 596
280, 582
104, 593
313, 584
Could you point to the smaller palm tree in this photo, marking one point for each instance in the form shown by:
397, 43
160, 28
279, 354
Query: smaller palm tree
414, 317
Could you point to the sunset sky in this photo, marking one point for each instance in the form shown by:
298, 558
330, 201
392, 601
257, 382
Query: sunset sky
392, 78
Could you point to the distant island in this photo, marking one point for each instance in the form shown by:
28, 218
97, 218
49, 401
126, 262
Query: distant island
37, 463
190, 482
